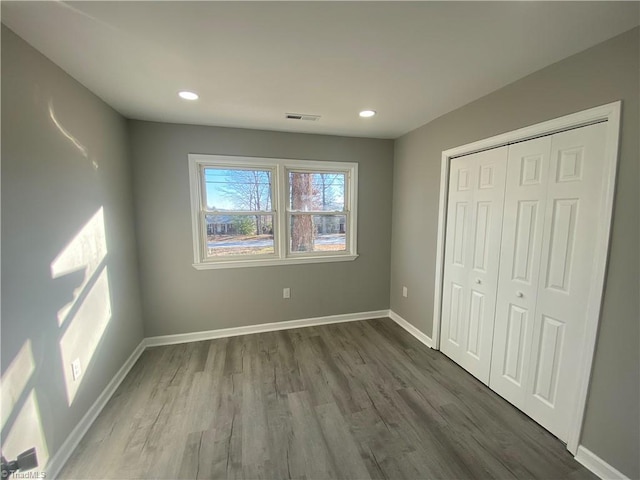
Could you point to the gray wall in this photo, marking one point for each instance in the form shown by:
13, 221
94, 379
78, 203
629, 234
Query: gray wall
178, 299
602, 74
64, 156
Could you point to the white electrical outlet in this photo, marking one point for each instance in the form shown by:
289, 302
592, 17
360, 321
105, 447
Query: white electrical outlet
405, 292
76, 369
286, 292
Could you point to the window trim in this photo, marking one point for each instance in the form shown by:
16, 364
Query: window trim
280, 210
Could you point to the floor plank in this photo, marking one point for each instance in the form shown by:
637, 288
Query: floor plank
356, 400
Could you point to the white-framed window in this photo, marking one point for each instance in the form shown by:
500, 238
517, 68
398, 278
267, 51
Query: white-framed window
250, 211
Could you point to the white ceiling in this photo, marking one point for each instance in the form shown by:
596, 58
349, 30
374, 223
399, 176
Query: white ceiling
253, 61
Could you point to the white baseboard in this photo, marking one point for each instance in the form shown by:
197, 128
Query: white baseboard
598, 466
263, 327
424, 338
57, 462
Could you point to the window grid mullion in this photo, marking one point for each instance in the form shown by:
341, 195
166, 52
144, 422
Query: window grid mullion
234, 213
318, 212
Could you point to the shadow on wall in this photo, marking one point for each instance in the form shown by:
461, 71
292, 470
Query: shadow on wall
64, 314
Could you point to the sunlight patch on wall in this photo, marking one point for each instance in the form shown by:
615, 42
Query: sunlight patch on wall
83, 150
84, 319
85, 252
26, 432
84, 332
15, 379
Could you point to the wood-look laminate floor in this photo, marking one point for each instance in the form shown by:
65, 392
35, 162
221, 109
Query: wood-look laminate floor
355, 400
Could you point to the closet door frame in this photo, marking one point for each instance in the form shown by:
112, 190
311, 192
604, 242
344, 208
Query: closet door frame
609, 113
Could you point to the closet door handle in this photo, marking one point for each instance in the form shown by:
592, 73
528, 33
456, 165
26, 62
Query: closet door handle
519, 294
478, 281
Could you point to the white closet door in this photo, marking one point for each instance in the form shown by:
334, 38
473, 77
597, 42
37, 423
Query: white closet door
545, 273
521, 247
474, 222
572, 217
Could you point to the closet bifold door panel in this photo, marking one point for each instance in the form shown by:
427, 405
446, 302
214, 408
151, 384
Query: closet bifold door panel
552, 209
474, 224
571, 219
521, 249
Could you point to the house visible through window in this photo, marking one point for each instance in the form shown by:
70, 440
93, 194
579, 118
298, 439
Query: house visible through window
250, 211
239, 211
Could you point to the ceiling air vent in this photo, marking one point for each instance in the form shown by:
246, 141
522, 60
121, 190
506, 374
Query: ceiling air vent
302, 116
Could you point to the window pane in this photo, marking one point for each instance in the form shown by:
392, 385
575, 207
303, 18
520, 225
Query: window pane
239, 235
320, 192
318, 233
236, 189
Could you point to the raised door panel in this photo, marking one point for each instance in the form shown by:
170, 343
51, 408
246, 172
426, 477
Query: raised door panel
460, 229
477, 320
482, 237
511, 368
572, 217
455, 313
527, 222
562, 240
520, 254
551, 333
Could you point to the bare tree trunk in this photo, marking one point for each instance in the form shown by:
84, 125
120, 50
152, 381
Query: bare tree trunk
302, 225
324, 203
256, 185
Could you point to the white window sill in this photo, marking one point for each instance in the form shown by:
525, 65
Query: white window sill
273, 261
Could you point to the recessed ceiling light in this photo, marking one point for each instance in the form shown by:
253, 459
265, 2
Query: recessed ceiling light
367, 113
188, 95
